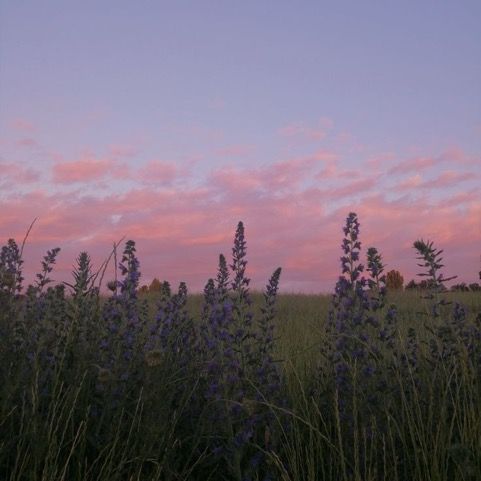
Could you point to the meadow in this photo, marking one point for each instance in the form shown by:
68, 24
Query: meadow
366, 384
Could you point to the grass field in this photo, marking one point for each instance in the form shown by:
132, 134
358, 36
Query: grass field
365, 385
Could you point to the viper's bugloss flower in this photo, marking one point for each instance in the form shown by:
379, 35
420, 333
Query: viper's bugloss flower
240, 283
267, 373
10, 268
47, 267
123, 316
209, 298
431, 261
222, 280
240, 375
377, 282
359, 336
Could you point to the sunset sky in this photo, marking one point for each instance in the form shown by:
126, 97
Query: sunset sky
168, 122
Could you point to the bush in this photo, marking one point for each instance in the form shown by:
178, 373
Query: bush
394, 280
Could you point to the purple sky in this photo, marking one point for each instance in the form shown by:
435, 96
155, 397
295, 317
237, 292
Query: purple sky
168, 122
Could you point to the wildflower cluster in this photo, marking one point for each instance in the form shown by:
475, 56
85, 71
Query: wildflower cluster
141, 384
240, 375
361, 333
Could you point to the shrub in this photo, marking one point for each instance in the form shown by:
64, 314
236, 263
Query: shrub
155, 285
394, 280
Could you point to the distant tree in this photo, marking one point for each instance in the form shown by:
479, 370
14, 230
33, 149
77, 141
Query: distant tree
411, 284
394, 280
425, 285
462, 287
144, 289
155, 285
475, 287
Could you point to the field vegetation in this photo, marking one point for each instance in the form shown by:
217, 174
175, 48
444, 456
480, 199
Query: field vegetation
372, 383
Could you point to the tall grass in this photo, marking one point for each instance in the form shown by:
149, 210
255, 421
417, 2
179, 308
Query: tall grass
233, 385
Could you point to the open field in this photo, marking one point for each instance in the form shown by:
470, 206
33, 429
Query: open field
365, 385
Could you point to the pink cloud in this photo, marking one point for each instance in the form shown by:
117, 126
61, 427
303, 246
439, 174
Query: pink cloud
449, 179
348, 190
83, 170
454, 156
234, 180
283, 175
410, 183
380, 160
179, 234
159, 172
19, 174
446, 179
415, 164
461, 198
293, 211
215, 239
289, 173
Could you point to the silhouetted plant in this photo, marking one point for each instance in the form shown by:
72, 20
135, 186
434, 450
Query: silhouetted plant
241, 376
377, 283
47, 267
361, 341
432, 259
170, 396
10, 270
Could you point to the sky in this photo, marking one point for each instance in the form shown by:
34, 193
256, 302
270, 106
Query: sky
170, 122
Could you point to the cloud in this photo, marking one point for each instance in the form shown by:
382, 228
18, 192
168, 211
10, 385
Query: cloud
353, 188
380, 160
293, 210
233, 179
448, 179
12, 172
83, 170
454, 156
286, 175
180, 232
410, 183
415, 164
159, 172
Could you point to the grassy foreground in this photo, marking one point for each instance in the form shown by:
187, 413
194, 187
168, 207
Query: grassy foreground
231, 385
